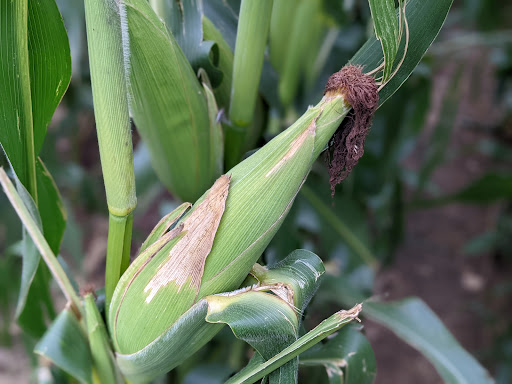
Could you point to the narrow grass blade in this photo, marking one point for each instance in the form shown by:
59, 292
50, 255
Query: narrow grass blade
489, 188
385, 23
65, 344
35, 233
216, 132
164, 225
51, 209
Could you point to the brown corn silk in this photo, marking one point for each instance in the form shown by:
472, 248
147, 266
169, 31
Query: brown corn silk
347, 145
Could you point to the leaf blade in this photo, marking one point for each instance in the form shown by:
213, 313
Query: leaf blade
426, 19
386, 31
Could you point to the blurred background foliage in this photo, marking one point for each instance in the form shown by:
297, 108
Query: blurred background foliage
433, 191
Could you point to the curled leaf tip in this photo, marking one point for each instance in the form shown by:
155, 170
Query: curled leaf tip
361, 92
88, 289
351, 313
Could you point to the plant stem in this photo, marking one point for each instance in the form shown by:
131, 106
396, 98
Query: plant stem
251, 40
118, 252
313, 337
108, 45
35, 233
339, 226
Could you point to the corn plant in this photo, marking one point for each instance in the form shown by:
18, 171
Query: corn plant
189, 75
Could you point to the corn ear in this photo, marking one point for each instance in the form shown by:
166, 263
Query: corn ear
213, 246
244, 310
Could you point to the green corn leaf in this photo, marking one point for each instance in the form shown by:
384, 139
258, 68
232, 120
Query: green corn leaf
28, 215
51, 209
415, 323
257, 369
301, 270
65, 344
237, 140
226, 57
168, 105
347, 357
224, 15
267, 322
49, 62
34, 305
184, 19
17, 136
292, 283
386, 30
35, 73
425, 19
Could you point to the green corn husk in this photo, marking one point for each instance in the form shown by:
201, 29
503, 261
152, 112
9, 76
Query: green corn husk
225, 233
